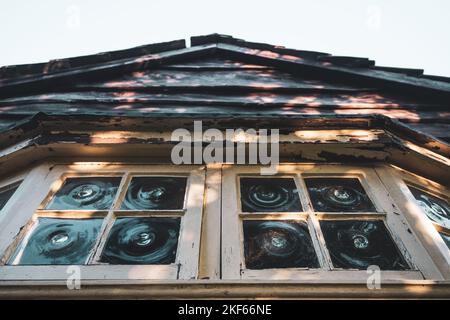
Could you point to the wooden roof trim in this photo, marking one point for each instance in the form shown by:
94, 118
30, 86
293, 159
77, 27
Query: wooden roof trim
39, 123
370, 76
290, 59
57, 65
12, 86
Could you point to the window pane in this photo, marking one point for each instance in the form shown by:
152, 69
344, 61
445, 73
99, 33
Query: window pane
278, 244
269, 195
93, 193
446, 239
142, 241
359, 244
6, 193
155, 193
59, 241
435, 208
338, 195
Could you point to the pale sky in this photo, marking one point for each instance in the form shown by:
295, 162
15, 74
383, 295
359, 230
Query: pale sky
400, 33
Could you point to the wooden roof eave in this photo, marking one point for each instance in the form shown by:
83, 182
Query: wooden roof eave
369, 76
292, 61
43, 136
32, 83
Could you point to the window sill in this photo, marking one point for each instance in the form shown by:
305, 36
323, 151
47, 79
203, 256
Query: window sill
214, 289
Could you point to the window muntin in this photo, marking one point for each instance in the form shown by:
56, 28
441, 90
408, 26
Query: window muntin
164, 239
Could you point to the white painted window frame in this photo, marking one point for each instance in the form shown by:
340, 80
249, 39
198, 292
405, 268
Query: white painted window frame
44, 181
397, 181
233, 262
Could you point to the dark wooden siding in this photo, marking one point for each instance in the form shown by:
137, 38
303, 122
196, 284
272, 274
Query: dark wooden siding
222, 86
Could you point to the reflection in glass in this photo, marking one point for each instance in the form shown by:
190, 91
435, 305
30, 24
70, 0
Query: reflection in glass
269, 195
142, 241
93, 193
359, 244
155, 193
338, 195
59, 241
6, 193
278, 244
435, 208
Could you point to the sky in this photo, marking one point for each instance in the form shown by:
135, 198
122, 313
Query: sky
400, 33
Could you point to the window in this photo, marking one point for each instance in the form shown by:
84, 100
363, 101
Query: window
114, 221
315, 222
312, 222
436, 209
426, 204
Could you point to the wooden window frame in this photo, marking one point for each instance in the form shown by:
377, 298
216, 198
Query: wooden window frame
49, 177
212, 256
397, 180
233, 262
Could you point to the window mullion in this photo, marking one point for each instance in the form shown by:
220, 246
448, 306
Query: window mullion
95, 254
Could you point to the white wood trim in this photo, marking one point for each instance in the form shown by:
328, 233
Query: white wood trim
90, 272
19, 212
210, 247
231, 226
319, 275
191, 226
421, 225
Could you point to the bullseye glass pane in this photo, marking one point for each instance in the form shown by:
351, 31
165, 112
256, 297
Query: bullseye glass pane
93, 193
438, 210
6, 193
155, 193
338, 195
269, 195
142, 241
446, 239
59, 242
360, 244
278, 244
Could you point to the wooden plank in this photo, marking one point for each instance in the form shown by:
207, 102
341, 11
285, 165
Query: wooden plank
265, 79
210, 248
317, 99
213, 63
35, 83
326, 275
188, 254
232, 247
365, 75
242, 289
162, 110
92, 272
